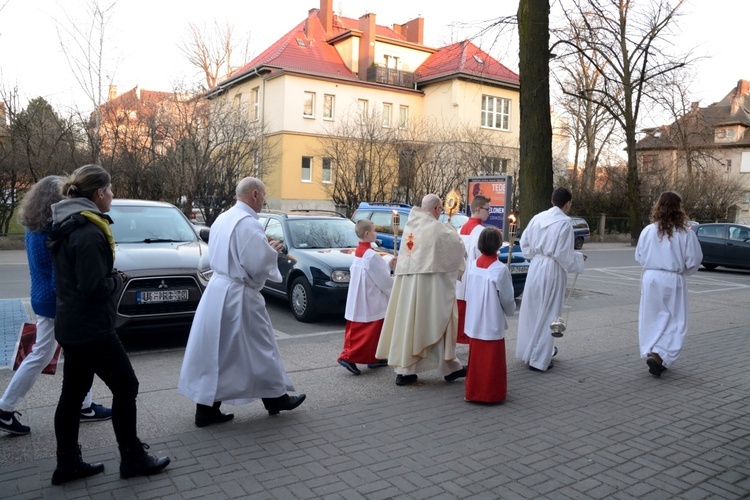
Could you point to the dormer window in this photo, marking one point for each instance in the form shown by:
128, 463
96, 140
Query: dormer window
478, 59
301, 43
657, 133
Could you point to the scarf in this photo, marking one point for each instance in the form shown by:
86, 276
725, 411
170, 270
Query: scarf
102, 224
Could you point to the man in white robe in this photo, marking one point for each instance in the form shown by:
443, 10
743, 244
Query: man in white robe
232, 354
548, 241
419, 332
666, 260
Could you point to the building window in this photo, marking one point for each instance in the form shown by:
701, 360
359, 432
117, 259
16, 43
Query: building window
309, 108
362, 110
326, 171
256, 163
492, 165
648, 163
729, 166
306, 169
495, 112
255, 100
403, 116
329, 102
238, 101
387, 111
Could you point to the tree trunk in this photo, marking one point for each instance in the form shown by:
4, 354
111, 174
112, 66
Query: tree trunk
535, 169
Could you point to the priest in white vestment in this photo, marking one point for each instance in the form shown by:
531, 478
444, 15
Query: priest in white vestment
420, 327
548, 241
232, 355
668, 251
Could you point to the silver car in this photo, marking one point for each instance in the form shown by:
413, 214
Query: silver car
166, 260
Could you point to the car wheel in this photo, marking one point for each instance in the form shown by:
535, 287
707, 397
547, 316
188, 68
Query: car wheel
579, 243
300, 298
710, 267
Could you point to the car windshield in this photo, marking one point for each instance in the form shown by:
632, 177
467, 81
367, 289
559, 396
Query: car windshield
142, 224
457, 220
323, 233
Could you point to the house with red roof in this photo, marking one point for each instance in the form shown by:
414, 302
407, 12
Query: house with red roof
330, 69
711, 138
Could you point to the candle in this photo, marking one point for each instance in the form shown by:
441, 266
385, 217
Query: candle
394, 227
512, 234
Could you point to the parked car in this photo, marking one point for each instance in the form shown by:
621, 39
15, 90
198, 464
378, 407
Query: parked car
314, 263
692, 224
581, 230
381, 214
166, 260
724, 244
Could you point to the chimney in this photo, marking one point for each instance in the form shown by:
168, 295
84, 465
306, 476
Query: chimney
138, 92
366, 44
413, 30
326, 15
694, 106
112, 92
743, 88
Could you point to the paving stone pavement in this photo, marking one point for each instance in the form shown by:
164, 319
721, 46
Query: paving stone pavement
596, 426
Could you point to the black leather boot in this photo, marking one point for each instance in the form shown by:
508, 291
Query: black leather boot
136, 462
207, 415
70, 466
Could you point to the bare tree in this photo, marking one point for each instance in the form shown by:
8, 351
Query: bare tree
211, 51
84, 48
623, 41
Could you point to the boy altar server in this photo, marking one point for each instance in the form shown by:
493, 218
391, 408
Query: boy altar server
470, 231
370, 285
489, 301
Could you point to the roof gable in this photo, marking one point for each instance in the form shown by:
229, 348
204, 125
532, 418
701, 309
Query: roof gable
464, 58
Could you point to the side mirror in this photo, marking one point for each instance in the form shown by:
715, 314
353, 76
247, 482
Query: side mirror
204, 234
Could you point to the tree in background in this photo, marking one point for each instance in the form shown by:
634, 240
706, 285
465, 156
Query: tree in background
624, 43
212, 50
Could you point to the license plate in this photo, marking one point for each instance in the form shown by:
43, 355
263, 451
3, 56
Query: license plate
162, 296
519, 269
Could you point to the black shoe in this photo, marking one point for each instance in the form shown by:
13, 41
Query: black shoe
285, 403
70, 466
551, 365
456, 375
10, 424
136, 462
350, 366
654, 368
378, 364
208, 415
405, 379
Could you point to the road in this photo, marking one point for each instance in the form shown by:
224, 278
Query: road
612, 278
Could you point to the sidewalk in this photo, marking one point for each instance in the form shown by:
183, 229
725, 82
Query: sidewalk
597, 426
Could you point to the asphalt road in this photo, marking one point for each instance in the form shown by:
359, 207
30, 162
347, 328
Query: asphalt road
612, 277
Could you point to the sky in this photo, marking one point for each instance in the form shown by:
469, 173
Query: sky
143, 38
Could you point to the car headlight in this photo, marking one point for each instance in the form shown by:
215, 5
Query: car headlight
340, 276
205, 275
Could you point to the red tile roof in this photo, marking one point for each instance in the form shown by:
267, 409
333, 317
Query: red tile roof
464, 58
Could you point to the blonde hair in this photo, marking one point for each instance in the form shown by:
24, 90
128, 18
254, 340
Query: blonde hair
85, 181
362, 226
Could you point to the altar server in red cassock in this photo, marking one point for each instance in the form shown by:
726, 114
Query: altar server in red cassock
370, 285
489, 301
470, 231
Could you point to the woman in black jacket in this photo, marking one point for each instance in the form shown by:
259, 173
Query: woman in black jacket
88, 287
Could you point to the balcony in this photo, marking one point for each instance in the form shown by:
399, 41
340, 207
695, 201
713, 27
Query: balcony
390, 76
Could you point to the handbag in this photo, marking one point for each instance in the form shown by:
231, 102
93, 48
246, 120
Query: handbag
25, 345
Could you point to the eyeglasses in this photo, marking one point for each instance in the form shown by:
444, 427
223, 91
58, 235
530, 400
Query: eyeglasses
483, 208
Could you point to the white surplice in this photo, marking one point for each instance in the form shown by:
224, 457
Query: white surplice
489, 301
370, 285
232, 355
471, 241
548, 242
663, 313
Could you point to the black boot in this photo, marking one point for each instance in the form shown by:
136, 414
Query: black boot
136, 462
70, 466
207, 415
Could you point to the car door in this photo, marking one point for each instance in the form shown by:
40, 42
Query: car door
713, 243
275, 231
738, 246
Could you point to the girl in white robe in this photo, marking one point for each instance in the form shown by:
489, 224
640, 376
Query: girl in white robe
489, 301
668, 251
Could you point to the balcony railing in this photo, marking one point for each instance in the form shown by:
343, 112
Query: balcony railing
390, 76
